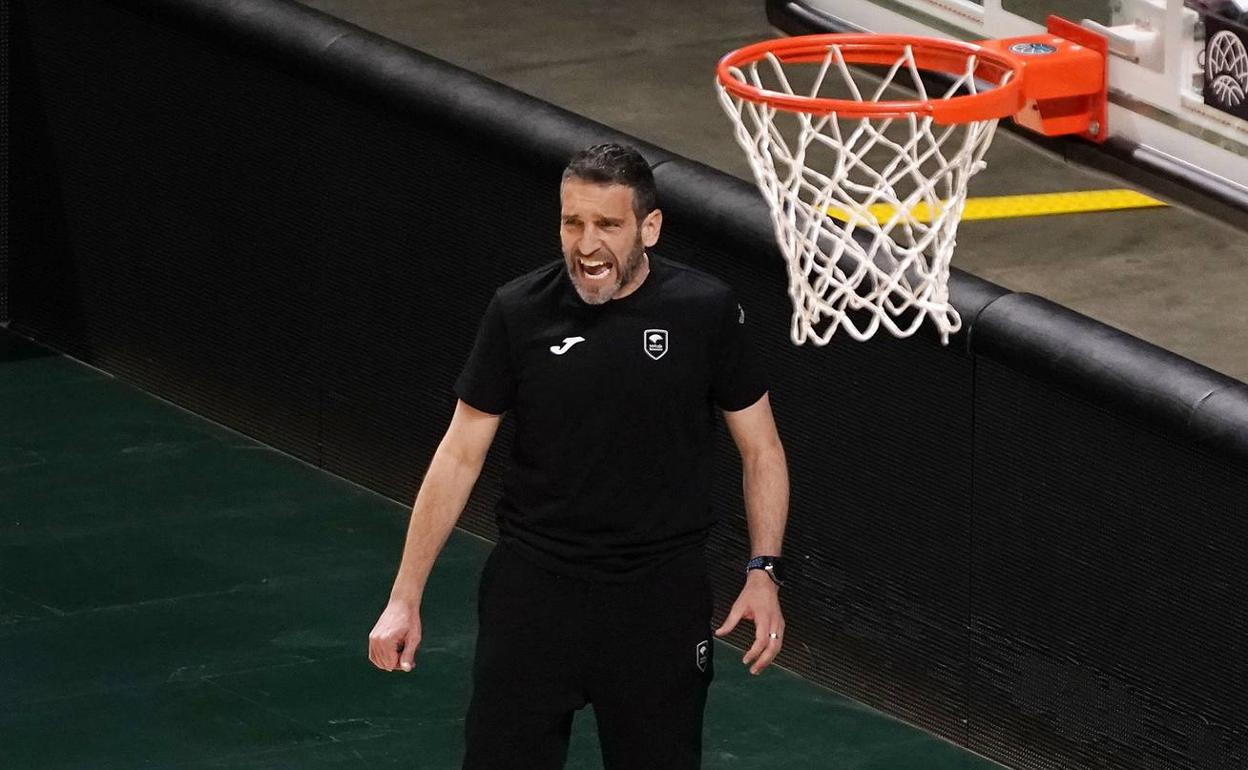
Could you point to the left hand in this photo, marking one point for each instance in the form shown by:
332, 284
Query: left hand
760, 602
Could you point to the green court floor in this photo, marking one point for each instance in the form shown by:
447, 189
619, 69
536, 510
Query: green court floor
173, 594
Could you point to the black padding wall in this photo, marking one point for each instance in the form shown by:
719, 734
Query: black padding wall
6, 63
1110, 499
1112, 616
1025, 541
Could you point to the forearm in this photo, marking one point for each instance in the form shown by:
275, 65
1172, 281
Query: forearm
765, 481
441, 499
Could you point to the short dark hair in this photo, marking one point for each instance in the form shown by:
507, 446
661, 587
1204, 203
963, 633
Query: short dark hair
617, 164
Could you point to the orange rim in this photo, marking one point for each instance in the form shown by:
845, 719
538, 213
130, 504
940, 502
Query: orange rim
930, 54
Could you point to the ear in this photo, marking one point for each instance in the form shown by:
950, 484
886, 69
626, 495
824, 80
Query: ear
650, 227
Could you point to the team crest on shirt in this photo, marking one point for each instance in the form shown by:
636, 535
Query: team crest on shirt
654, 342
701, 651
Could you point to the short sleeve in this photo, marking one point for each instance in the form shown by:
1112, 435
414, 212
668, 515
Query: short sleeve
488, 379
739, 380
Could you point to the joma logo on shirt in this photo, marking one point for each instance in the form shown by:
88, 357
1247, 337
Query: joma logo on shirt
654, 342
568, 342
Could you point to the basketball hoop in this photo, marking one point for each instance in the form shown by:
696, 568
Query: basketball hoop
865, 192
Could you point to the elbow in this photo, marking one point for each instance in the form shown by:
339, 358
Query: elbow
461, 458
473, 463
768, 454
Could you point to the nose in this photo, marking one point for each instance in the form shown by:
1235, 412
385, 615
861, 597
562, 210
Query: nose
589, 243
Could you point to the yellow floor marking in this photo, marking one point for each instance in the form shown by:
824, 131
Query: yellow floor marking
1033, 205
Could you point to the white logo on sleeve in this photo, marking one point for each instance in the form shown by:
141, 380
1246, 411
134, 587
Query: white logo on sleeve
654, 342
701, 653
740, 314
568, 342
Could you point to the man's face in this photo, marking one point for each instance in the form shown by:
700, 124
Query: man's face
602, 241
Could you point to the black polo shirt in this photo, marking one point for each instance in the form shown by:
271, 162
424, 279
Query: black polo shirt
614, 409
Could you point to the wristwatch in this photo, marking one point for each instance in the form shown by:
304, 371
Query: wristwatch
772, 565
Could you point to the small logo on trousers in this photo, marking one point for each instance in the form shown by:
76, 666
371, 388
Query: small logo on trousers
702, 653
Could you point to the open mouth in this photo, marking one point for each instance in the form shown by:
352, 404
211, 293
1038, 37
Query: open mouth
595, 269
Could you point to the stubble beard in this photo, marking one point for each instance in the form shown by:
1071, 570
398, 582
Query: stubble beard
625, 271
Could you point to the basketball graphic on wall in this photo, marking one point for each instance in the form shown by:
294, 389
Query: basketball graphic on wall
1226, 66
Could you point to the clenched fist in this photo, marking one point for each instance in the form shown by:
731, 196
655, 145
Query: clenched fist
393, 641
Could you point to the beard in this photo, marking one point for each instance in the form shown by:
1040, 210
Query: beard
625, 270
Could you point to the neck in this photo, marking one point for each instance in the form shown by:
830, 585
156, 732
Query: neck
642, 272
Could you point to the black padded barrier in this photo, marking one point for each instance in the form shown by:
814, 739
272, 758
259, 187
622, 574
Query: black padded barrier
1026, 541
5, 67
1110, 505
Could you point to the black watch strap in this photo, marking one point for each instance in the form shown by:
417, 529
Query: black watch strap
772, 565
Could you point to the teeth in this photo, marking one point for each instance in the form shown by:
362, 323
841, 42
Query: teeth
593, 268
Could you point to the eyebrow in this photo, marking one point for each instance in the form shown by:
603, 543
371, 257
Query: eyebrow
600, 220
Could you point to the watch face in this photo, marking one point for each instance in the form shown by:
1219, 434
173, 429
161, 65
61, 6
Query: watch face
778, 569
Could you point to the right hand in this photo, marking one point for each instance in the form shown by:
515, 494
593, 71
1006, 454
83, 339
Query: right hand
393, 641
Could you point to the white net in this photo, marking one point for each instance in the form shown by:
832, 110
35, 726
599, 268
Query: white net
865, 209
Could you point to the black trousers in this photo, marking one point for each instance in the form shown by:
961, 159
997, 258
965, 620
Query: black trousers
642, 653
